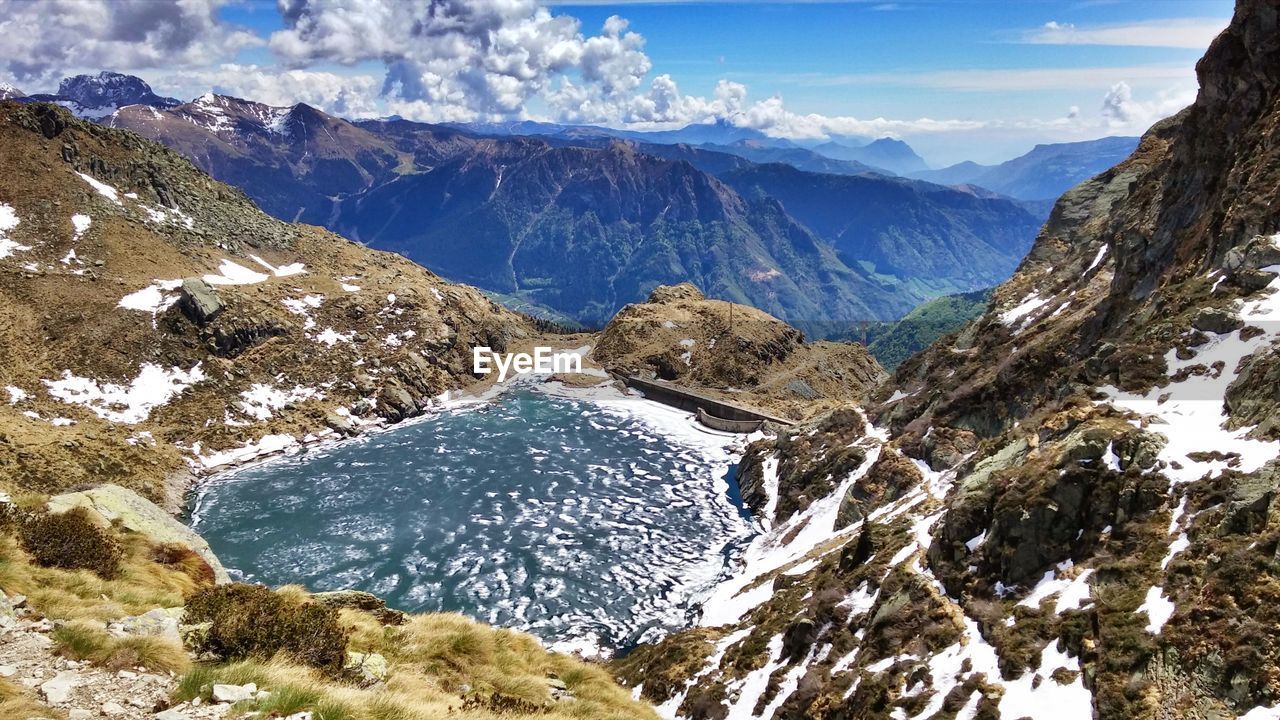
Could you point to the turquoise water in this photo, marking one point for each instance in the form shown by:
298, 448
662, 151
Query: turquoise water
585, 525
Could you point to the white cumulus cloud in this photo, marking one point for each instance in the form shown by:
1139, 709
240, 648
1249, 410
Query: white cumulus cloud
39, 41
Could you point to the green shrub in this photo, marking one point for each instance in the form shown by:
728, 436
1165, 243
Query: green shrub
72, 541
253, 621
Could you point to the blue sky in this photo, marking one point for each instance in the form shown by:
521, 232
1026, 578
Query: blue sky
958, 79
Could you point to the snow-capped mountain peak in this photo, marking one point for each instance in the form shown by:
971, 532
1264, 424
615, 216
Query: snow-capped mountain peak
9, 92
223, 114
98, 96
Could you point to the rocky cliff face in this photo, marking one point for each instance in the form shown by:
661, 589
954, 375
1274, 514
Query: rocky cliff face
1066, 510
97, 96
154, 322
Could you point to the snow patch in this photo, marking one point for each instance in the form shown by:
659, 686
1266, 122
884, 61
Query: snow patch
80, 223
1029, 304
129, 404
8, 221
103, 189
1158, 609
261, 401
1097, 259
234, 274
154, 298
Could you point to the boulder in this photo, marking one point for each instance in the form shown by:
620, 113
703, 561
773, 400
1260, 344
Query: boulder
396, 403
360, 600
1258, 253
1216, 320
58, 690
340, 424
802, 389
370, 667
560, 692
199, 301
234, 693
113, 503
159, 622
194, 636
8, 612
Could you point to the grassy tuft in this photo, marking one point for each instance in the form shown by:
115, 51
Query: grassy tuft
80, 640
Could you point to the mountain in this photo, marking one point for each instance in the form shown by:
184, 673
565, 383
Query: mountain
928, 239
213, 327
717, 159
1042, 174
1069, 508
893, 155
585, 231
155, 325
796, 157
9, 92
97, 96
290, 160
731, 353
719, 132
429, 191
924, 325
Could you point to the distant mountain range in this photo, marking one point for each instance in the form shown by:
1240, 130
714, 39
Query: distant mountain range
1042, 174
580, 221
887, 153
930, 239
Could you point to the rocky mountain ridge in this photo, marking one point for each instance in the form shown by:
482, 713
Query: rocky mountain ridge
887, 153
539, 203
1065, 510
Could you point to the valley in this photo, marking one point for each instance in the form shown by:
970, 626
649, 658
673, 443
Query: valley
631, 212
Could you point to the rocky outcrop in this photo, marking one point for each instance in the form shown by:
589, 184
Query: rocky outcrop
888, 479
359, 600
726, 350
114, 504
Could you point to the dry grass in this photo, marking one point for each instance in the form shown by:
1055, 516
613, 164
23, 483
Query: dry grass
82, 640
14, 704
437, 661
141, 585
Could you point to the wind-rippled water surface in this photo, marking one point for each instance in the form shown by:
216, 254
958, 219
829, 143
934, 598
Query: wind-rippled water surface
586, 525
